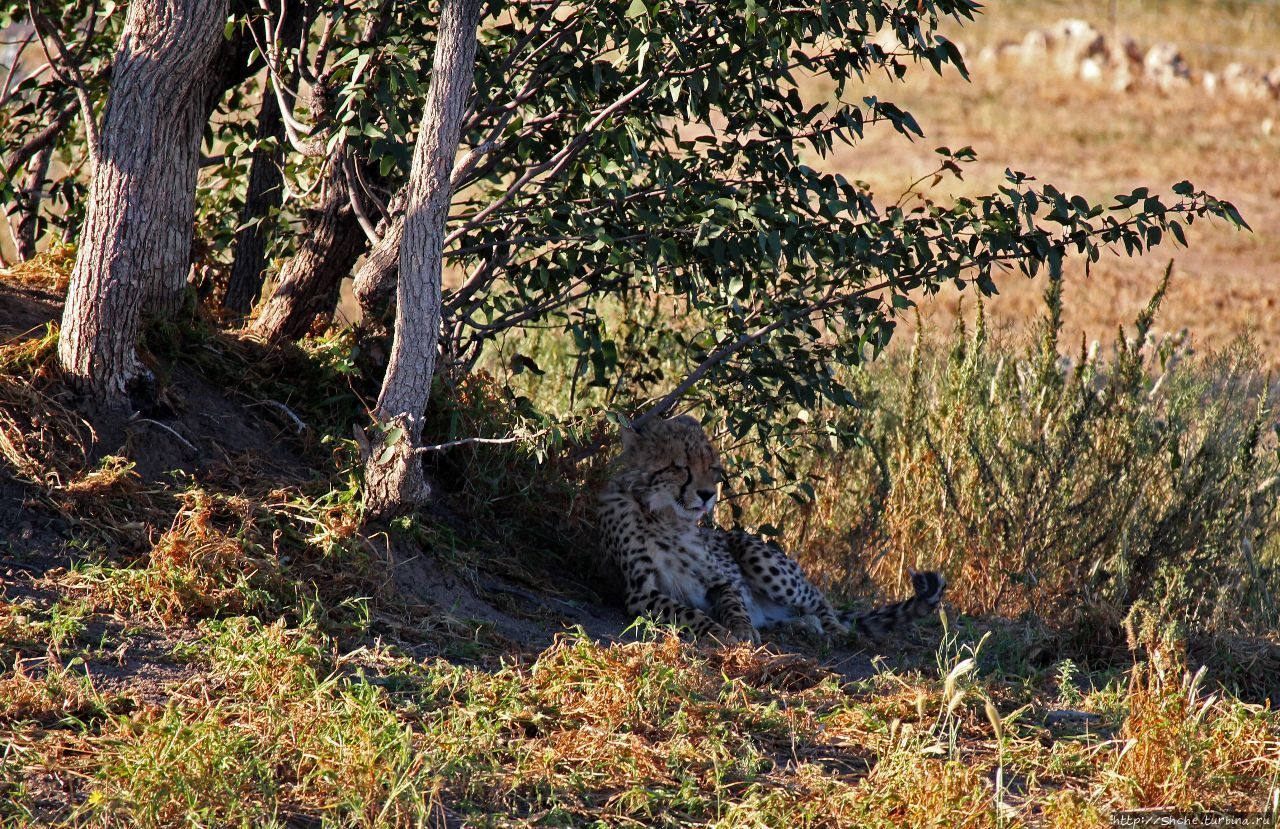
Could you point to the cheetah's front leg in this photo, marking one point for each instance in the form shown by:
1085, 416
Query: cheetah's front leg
654, 604
731, 610
644, 598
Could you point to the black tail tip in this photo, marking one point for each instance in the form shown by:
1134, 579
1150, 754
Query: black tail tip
928, 585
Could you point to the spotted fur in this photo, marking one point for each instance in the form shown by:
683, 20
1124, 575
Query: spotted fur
722, 584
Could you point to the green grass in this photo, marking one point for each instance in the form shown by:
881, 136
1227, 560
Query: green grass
655, 732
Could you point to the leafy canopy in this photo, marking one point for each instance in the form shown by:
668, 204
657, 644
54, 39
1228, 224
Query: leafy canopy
645, 185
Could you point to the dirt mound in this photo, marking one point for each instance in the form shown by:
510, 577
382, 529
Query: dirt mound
197, 428
25, 311
212, 423
194, 425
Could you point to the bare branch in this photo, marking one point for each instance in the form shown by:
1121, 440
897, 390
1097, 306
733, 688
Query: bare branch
9, 85
553, 165
357, 205
298, 425
39, 141
298, 133
480, 277
322, 51
139, 419
371, 193
469, 441
69, 73
468, 163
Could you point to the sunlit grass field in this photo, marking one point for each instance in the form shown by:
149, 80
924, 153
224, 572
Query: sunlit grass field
1089, 139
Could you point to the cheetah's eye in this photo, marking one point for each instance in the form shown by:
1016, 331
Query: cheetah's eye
657, 473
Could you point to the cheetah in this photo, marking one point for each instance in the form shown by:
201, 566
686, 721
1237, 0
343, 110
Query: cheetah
726, 585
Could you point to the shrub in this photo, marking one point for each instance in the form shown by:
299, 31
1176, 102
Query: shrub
1071, 487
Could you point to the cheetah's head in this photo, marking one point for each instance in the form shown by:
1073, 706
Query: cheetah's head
671, 464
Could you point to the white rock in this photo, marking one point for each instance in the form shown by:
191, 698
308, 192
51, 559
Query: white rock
1091, 70
1072, 41
1035, 48
1165, 67
1243, 81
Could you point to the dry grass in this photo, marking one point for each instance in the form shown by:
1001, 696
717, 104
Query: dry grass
282, 727
1090, 140
43, 440
49, 271
1181, 745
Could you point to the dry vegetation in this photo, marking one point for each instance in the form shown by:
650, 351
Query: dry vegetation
223, 653
1086, 138
218, 646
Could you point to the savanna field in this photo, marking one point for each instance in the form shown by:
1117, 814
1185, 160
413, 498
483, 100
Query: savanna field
198, 627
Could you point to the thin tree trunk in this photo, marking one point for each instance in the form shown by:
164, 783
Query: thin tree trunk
25, 237
394, 480
309, 282
135, 244
265, 193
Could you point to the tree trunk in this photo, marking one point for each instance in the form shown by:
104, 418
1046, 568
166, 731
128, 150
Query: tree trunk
265, 193
375, 282
27, 234
309, 282
394, 481
135, 244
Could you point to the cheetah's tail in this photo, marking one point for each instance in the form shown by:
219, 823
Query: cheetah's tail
929, 587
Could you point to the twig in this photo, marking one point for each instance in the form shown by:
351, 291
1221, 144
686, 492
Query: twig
13, 68
353, 196
372, 196
298, 423
72, 78
465, 441
180, 438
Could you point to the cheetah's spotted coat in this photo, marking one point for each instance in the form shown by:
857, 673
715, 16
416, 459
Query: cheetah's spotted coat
718, 583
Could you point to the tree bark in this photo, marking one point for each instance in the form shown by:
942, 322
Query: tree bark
26, 236
265, 193
135, 244
375, 282
309, 282
394, 480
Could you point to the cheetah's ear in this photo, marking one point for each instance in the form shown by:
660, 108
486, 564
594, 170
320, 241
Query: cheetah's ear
630, 437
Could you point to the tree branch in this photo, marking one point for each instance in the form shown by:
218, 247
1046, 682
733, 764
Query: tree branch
357, 205
39, 141
553, 165
298, 133
69, 74
469, 441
